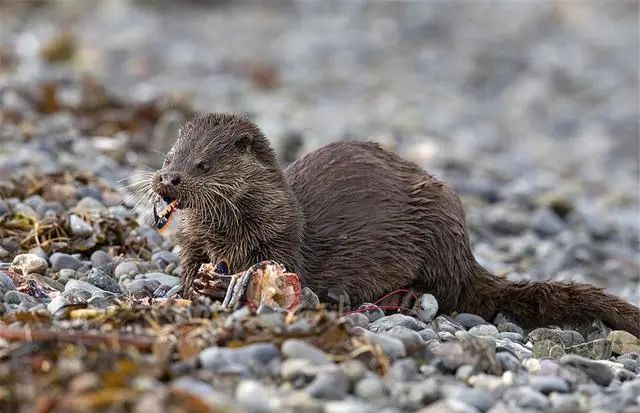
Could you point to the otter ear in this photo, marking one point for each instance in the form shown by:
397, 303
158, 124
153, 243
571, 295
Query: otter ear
244, 141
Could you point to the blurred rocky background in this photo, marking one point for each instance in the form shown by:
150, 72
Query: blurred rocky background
528, 108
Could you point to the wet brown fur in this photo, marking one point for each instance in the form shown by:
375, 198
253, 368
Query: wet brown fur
350, 215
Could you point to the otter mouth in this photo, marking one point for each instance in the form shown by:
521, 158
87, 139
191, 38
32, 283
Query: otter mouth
163, 219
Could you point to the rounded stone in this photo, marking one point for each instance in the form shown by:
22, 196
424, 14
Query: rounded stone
100, 258
488, 330
295, 348
29, 263
468, 320
60, 261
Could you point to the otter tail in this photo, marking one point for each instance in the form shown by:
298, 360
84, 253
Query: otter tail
535, 304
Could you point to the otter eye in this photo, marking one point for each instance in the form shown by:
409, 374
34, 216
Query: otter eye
202, 166
167, 161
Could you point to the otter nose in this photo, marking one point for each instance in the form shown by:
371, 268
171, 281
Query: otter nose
171, 178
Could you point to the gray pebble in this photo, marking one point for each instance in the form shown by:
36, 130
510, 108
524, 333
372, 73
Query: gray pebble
387, 322
82, 285
164, 279
60, 261
508, 361
428, 334
163, 258
357, 319
515, 337
393, 347
370, 388
126, 268
443, 324
254, 359
526, 397
40, 253
142, 288
79, 227
6, 283
402, 370
479, 398
100, 258
295, 348
597, 371
510, 328
329, 386
468, 320
18, 298
412, 340
309, 300
69, 297
548, 384
428, 308
90, 204
101, 278
547, 222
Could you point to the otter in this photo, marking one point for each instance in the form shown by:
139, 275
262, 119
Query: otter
350, 215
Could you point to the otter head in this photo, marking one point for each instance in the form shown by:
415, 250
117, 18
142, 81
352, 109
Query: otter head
213, 161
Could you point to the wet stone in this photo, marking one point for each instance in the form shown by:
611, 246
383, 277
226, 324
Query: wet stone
347, 406
101, 278
468, 320
60, 261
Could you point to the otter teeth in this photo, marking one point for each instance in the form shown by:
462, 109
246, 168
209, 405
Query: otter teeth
164, 218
